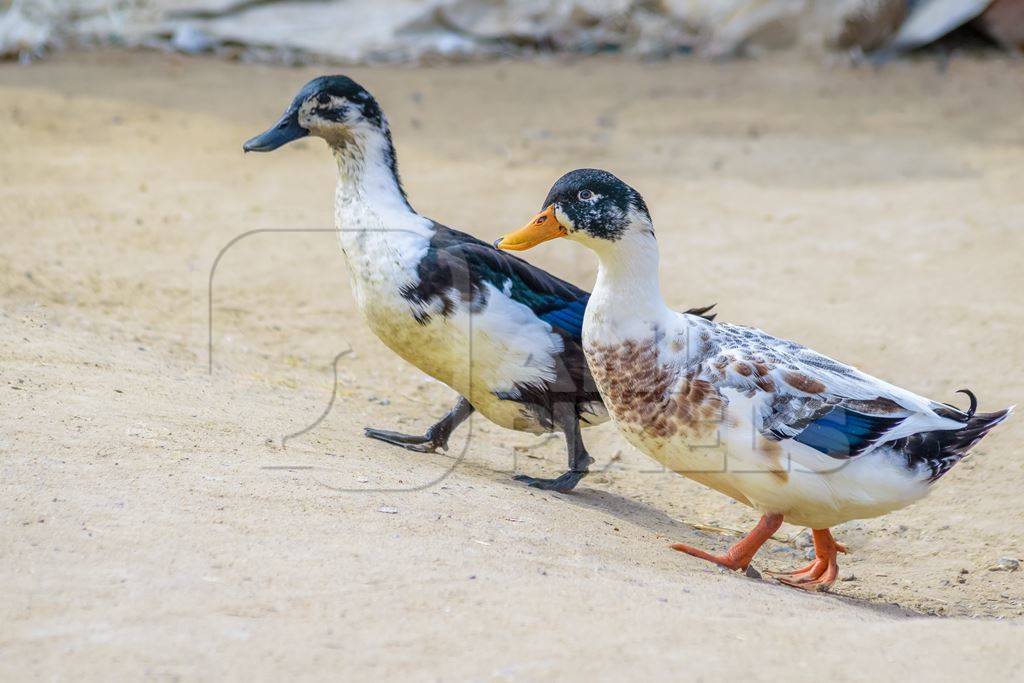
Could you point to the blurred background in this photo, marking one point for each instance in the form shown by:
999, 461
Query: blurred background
411, 31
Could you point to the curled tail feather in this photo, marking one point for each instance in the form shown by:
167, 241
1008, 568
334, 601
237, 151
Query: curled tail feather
939, 450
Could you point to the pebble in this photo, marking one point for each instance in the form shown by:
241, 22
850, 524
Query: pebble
809, 554
1005, 564
388, 510
803, 540
849, 577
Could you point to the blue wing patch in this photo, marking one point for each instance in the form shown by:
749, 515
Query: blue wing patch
843, 433
569, 317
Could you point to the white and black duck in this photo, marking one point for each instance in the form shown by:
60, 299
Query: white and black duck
502, 333
788, 431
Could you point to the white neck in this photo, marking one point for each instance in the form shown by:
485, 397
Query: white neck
626, 301
367, 173
370, 210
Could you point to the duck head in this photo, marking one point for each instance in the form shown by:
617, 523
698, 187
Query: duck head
348, 118
334, 108
589, 206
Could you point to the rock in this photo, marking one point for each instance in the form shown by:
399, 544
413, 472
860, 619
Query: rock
930, 20
191, 40
809, 554
1005, 564
867, 24
26, 31
1003, 21
752, 28
388, 510
804, 540
849, 577
752, 573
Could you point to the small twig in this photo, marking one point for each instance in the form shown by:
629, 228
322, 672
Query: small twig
701, 526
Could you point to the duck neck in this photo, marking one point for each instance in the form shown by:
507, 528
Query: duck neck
368, 173
626, 301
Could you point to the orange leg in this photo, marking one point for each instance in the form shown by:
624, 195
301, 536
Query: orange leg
820, 574
739, 555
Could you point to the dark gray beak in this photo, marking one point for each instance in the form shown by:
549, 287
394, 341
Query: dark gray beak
284, 131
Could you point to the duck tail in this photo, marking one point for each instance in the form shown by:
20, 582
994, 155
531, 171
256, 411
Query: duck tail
703, 312
941, 449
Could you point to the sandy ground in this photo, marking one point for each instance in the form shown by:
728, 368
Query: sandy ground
153, 526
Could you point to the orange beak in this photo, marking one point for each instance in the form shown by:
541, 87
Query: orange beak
543, 227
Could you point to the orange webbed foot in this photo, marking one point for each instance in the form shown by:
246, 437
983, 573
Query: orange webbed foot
740, 554
729, 562
820, 574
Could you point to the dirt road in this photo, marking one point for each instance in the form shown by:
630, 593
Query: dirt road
154, 526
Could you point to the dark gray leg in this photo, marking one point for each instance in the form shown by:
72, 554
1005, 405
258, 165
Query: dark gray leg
436, 436
579, 459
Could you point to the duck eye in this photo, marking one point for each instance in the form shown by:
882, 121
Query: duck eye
323, 98
584, 195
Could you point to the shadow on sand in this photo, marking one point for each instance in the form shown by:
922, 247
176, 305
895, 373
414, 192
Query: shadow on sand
656, 521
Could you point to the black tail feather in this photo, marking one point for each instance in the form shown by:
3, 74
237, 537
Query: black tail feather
974, 401
958, 414
703, 312
940, 450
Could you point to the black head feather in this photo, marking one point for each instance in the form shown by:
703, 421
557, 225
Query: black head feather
342, 100
342, 87
596, 202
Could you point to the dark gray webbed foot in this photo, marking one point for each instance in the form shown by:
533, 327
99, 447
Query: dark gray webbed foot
579, 460
565, 483
421, 444
436, 437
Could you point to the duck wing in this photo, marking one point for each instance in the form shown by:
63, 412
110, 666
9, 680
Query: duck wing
458, 263
803, 396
